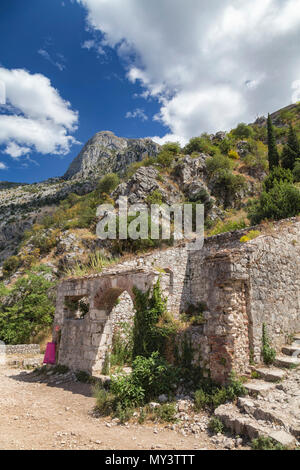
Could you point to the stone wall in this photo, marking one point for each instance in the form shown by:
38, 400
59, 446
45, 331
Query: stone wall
242, 284
23, 349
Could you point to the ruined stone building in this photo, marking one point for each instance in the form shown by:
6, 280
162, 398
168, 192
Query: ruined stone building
244, 285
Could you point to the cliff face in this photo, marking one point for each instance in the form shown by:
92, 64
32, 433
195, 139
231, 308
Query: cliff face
105, 153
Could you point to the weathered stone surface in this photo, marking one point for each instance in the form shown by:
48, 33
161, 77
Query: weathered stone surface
258, 387
283, 438
106, 153
271, 374
286, 361
291, 350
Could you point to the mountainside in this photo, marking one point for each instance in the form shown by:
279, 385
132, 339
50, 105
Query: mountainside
223, 171
106, 153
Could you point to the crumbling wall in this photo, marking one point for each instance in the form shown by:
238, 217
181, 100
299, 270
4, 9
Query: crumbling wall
242, 285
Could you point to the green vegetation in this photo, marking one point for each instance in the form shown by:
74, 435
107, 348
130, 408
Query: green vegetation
216, 426
266, 443
268, 353
250, 236
211, 395
242, 131
200, 145
166, 413
108, 183
152, 325
273, 155
280, 202
95, 263
26, 309
291, 151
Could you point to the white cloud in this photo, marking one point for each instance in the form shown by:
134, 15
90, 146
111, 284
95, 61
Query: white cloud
36, 117
93, 44
138, 113
15, 150
60, 65
296, 92
3, 166
210, 64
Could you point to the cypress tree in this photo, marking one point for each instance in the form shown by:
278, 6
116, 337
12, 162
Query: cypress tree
291, 151
273, 155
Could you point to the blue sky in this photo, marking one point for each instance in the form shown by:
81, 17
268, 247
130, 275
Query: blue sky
168, 69
94, 84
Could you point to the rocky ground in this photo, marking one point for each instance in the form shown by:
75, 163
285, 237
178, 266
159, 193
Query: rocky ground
54, 412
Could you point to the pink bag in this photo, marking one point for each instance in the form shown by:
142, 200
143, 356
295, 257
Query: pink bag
50, 354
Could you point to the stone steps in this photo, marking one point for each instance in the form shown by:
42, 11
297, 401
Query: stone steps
271, 413
271, 374
265, 411
243, 424
293, 350
287, 361
259, 387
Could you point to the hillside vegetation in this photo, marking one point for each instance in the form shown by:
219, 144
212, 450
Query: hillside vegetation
242, 177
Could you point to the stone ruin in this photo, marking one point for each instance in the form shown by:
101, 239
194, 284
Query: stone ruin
243, 285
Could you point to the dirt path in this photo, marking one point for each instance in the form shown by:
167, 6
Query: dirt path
38, 416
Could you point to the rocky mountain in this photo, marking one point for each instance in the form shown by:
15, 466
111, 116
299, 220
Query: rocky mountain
222, 171
106, 153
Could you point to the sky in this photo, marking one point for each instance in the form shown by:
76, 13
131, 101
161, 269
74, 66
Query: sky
168, 69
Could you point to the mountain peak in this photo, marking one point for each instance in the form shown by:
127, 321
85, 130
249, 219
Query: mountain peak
105, 153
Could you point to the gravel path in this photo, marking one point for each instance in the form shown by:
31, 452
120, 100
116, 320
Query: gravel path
39, 416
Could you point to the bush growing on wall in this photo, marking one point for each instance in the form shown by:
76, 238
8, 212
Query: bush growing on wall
152, 328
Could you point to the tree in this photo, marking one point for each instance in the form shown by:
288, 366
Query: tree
291, 151
276, 175
28, 309
273, 155
281, 202
242, 131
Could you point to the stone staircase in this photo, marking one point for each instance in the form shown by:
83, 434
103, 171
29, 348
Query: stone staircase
272, 407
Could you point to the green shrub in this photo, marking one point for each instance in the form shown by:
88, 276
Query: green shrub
127, 391
150, 377
28, 310
215, 426
277, 175
155, 197
166, 412
108, 183
11, 265
218, 162
266, 443
213, 395
226, 186
165, 159
201, 399
229, 226
201, 145
122, 346
154, 375
84, 377
242, 131
296, 171
124, 414
172, 147
268, 353
281, 202
105, 401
